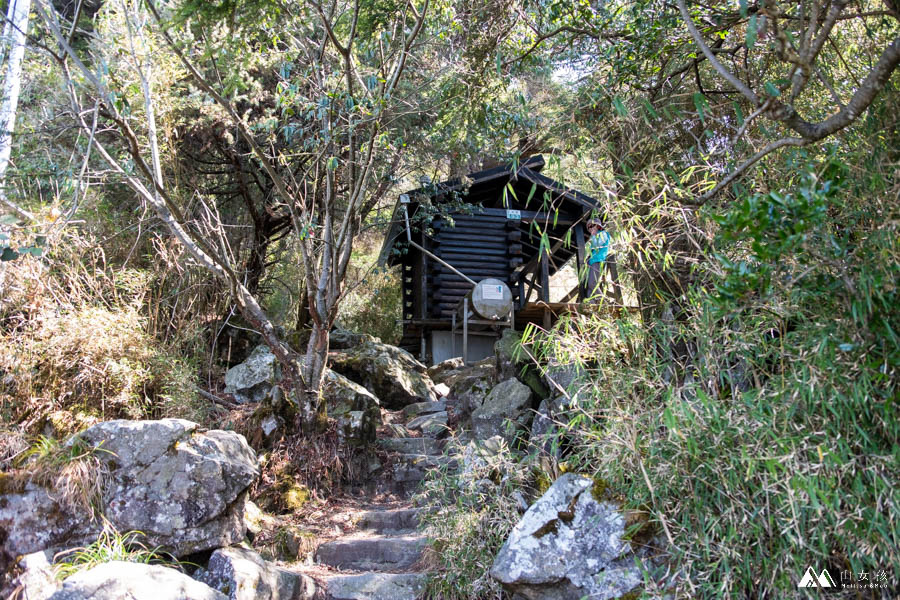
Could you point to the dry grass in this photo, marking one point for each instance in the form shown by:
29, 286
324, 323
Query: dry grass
302, 467
75, 474
75, 345
13, 443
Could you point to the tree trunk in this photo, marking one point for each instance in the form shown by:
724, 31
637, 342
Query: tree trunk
14, 43
313, 410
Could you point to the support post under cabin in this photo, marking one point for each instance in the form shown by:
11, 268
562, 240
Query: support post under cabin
581, 265
424, 312
545, 277
465, 355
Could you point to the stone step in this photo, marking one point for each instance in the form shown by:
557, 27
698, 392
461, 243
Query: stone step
396, 430
376, 586
431, 425
423, 445
372, 553
424, 408
413, 467
389, 521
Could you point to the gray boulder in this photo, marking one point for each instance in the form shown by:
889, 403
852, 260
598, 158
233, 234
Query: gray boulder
512, 364
550, 412
252, 380
469, 387
424, 408
356, 409
35, 579
505, 409
32, 520
182, 487
134, 581
567, 376
508, 364
441, 371
242, 574
479, 458
344, 339
568, 546
431, 425
391, 373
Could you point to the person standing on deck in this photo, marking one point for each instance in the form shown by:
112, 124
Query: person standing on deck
596, 251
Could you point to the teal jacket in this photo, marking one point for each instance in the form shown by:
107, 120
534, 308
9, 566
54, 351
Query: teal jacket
598, 247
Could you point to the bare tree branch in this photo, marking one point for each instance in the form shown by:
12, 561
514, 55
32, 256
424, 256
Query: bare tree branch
791, 141
728, 75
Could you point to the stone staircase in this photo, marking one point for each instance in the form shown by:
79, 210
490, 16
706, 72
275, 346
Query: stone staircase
381, 558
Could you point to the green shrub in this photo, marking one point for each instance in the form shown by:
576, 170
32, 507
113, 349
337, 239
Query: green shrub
77, 347
760, 430
467, 518
373, 307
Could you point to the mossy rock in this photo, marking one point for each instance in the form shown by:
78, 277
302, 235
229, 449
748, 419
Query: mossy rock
533, 379
599, 489
292, 542
542, 481
294, 496
298, 339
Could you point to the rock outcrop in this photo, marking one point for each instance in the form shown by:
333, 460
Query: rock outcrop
182, 487
252, 380
440, 372
242, 574
478, 457
567, 546
508, 363
134, 581
512, 363
565, 376
343, 339
506, 409
356, 409
432, 425
391, 373
469, 386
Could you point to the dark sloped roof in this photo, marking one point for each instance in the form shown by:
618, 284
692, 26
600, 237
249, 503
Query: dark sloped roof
525, 189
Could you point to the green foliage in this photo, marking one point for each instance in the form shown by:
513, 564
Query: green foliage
372, 303
774, 226
467, 517
75, 473
374, 306
761, 429
108, 547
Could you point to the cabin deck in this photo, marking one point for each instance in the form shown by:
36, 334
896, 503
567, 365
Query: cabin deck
546, 313
533, 312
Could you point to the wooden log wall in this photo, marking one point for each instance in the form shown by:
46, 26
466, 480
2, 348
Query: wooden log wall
480, 246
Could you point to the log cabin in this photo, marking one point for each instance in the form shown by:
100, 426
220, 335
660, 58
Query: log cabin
446, 236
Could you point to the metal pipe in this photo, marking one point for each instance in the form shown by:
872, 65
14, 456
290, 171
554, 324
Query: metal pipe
421, 249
